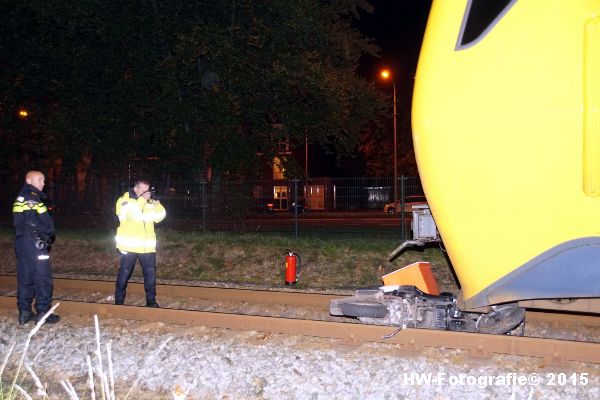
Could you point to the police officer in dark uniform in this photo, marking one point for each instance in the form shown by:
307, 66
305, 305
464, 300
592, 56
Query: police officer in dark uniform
34, 233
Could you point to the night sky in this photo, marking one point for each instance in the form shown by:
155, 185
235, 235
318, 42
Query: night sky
397, 27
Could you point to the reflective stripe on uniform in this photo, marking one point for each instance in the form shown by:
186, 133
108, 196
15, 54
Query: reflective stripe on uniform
160, 215
148, 217
134, 242
22, 206
136, 213
43, 257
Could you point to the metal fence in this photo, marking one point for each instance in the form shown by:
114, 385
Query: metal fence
314, 206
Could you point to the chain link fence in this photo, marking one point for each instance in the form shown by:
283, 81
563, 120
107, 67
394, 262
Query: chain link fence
316, 206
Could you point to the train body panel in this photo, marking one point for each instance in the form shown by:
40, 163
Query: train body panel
506, 129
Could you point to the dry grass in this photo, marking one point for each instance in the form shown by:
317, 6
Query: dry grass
100, 382
240, 258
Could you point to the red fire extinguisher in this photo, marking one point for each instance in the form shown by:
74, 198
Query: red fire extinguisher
292, 269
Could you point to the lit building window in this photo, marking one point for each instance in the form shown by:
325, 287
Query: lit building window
278, 170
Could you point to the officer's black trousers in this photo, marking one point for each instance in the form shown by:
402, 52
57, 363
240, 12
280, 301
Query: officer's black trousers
34, 276
148, 261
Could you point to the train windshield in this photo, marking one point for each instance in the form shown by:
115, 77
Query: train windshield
480, 17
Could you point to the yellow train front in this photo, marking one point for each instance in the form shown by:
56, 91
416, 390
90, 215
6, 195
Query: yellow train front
506, 129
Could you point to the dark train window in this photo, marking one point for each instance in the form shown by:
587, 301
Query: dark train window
480, 17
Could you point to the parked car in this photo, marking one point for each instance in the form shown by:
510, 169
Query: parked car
409, 203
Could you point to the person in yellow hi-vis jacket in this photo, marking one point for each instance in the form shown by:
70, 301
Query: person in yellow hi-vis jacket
138, 210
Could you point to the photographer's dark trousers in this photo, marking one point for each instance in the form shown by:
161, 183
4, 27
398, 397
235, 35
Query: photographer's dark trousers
148, 262
34, 276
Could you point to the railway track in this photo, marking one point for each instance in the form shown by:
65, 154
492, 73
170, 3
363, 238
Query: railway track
290, 298
550, 350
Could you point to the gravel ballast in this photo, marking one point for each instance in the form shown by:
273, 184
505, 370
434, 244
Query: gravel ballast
223, 364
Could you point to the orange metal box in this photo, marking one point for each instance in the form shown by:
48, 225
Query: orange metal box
418, 274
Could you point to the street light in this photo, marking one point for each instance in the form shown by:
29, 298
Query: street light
386, 74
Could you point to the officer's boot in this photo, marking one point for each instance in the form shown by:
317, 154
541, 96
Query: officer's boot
25, 316
152, 303
52, 318
120, 297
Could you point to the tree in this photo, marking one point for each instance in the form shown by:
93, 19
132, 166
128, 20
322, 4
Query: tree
193, 83
377, 148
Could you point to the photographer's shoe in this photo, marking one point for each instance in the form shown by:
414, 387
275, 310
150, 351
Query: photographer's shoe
52, 318
25, 317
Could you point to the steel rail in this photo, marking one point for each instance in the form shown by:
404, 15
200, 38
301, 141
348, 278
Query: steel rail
557, 318
407, 339
297, 299
197, 292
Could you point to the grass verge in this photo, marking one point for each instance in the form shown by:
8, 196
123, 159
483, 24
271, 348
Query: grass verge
254, 259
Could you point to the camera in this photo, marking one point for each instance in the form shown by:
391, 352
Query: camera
153, 194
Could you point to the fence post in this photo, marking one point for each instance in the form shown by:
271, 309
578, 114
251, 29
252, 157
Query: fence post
203, 204
403, 216
295, 205
53, 199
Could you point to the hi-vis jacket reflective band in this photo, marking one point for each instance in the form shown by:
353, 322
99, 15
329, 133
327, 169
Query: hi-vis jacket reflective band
131, 211
126, 241
20, 205
137, 218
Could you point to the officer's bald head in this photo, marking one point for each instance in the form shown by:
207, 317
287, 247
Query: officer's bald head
35, 179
